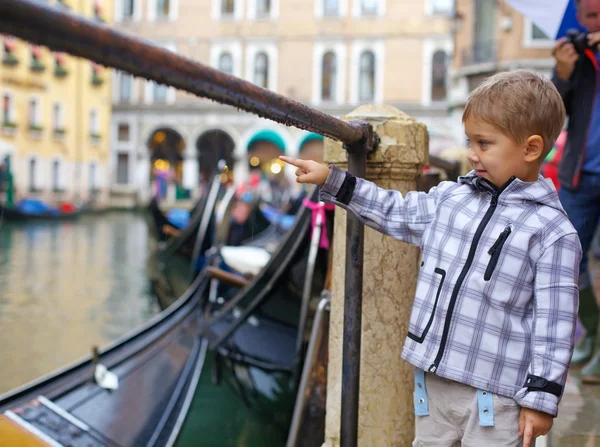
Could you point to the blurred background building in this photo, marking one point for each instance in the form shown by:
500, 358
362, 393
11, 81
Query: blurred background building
490, 37
422, 56
330, 54
56, 111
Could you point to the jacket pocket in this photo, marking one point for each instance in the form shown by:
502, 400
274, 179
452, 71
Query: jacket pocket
419, 339
495, 251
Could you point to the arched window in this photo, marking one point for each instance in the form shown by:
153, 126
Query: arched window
328, 79
261, 70
55, 175
34, 118
226, 63
227, 7
93, 176
32, 174
6, 108
163, 8
263, 8
368, 7
366, 83
125, 87
331, 7
439, 74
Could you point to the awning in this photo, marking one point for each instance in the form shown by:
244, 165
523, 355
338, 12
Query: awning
310, 137
270, 136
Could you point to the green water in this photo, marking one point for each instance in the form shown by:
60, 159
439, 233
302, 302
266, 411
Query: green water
66, 286
218, 416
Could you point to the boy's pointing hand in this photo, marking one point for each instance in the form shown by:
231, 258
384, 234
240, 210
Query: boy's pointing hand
309, 171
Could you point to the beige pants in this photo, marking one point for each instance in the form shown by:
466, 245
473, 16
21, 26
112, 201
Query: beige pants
453, 418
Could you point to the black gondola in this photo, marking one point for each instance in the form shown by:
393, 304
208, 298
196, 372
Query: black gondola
159, 365
14, 213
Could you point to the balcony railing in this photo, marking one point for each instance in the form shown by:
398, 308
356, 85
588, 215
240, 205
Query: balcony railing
481, 52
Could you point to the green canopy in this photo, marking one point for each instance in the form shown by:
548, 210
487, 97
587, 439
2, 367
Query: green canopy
270, 136
310, 137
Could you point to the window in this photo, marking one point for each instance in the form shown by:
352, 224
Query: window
123, 168
34, 114
261, 70
59, 65
484, 49
537, 33
439, 73
441, 6
58, 116
56, 176
7, 109
263, 8
9, 49
329, 74
97, 79
160, 92
535, 37
36, 59
123, 132
94, 128
366, 79
227, 7
125, 87
163, 8
128, 9
369, 7
226, 63
32, 174
98, 10
331, 7
93, 176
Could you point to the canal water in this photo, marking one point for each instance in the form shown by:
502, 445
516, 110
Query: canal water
67, 286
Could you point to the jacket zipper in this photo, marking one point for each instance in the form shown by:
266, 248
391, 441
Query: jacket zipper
494, 251
463, 274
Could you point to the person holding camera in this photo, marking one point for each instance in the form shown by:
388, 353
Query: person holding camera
576, 77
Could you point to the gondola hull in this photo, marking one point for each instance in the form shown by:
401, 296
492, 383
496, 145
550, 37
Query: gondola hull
158, 368
12, 213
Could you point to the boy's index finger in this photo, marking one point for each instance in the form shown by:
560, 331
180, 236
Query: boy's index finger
293, 161
528, 435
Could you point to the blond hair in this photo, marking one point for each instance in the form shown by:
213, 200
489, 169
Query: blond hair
521, 104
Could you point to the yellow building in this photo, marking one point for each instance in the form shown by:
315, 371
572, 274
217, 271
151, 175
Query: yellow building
56, 117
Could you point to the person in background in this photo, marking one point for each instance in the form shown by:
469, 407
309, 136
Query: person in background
575, 77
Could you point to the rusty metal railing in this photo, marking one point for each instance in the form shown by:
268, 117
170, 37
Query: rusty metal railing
63, 31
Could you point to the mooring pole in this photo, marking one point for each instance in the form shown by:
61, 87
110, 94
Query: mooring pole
355, 230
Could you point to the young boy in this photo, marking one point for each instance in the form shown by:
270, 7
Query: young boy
492, 326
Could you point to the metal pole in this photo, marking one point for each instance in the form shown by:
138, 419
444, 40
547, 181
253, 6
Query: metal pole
357, 160
321, 321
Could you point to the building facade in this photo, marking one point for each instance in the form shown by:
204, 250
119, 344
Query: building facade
490, 36
56, 117
330, 54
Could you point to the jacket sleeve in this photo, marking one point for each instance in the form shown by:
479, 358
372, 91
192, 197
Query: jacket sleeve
565, 88
556, 299
402, 217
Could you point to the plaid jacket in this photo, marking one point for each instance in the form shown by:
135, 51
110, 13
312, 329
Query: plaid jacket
497, 295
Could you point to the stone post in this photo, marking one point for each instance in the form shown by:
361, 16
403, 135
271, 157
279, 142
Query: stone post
390, 275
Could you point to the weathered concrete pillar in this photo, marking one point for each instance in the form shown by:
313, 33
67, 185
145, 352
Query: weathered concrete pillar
390, 276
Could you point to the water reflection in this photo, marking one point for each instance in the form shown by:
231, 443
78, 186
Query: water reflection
67, 286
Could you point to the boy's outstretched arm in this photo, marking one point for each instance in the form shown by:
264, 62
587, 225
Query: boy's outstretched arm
402, 217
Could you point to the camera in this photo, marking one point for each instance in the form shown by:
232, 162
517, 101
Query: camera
579, 40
